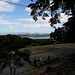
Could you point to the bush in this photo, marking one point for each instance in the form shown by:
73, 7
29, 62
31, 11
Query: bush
11, 42
42, 41
59, 42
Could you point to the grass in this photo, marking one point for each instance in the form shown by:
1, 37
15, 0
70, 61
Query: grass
39, 49
46, 48
65, 45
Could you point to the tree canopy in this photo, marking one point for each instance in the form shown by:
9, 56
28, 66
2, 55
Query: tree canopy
11, 42
60, 35
13, 59
44, 7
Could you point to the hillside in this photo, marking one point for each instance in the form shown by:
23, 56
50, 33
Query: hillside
65, 66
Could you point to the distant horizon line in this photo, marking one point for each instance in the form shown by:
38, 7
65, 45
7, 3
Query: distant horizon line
22, 33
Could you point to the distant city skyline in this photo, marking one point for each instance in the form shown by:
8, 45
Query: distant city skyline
16, 18
16, 33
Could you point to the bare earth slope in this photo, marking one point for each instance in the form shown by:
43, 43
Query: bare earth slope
63, 67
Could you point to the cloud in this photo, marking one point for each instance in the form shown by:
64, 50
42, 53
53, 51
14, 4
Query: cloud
12, 27
32, 25
31, 20
15, 1
6, 7
7, 22
26, 19
4, 16
28, 9
58, 25
64, 18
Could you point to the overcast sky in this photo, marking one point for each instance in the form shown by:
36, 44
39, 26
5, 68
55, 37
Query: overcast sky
15, 18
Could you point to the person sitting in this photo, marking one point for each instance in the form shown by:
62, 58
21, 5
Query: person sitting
35, 61
49, 59
40, 59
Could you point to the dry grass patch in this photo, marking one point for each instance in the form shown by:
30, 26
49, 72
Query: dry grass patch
65, 45
39, 49
46, 48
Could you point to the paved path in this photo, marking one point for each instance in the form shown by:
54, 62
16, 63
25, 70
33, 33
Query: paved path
62, 52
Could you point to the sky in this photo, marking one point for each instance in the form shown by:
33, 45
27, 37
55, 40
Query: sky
17, 19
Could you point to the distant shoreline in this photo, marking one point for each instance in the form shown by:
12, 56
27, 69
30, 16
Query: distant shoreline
39, 37
35, 36
32, 36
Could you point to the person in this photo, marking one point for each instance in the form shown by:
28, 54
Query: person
38, 62
49, 59
40, 59
35, 61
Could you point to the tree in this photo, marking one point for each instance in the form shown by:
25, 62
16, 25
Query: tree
59, 35
12, 42
13, 60
40, 8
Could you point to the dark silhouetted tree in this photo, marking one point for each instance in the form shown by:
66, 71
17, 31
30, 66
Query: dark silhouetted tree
60, 34
43, 7
13, 59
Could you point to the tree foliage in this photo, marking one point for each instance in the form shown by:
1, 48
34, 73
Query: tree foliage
60, 34
13, 59
43, 7
11, 42
40, 8
10, 56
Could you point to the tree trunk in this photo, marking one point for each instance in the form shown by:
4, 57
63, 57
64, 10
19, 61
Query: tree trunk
10, 71
14, 71
72, 24
72, 33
